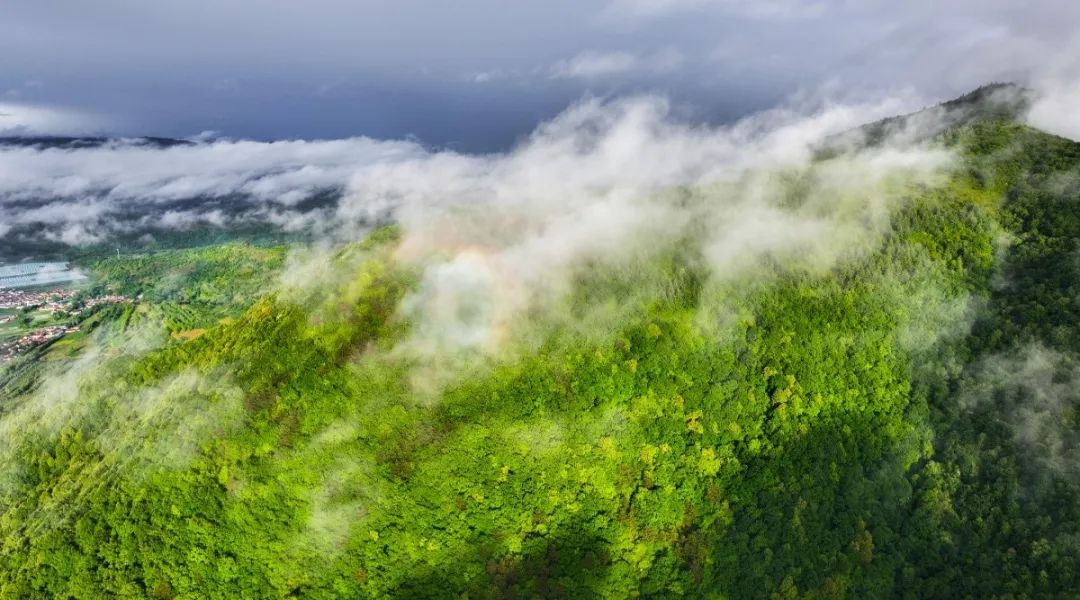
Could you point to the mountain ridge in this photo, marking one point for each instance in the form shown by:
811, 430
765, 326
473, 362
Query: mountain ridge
895, 424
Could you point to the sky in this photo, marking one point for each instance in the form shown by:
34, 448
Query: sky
478, 75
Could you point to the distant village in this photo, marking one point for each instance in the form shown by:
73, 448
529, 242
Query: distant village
36, 338
54, 301
50, 301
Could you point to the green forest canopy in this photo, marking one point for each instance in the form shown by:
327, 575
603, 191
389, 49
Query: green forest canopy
899, 425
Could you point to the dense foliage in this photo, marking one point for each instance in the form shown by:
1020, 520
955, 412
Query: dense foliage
860, 432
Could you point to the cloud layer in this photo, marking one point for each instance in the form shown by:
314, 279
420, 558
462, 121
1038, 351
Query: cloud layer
85, 195
479, 74
612, 149
599, 152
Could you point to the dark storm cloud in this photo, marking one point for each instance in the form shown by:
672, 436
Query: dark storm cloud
479, 73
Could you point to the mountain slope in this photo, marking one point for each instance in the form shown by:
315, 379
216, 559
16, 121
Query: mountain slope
899, 423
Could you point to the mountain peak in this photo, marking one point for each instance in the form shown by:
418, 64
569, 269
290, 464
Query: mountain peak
994, 100
999, 100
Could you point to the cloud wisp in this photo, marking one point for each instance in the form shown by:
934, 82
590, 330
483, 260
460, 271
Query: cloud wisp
1033, 389
591, 64
502, 240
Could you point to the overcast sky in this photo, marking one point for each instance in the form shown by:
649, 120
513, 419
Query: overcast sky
478, 74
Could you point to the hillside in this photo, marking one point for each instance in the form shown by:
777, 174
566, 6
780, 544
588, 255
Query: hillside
891, 417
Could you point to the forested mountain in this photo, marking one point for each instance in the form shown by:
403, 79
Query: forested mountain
897, 419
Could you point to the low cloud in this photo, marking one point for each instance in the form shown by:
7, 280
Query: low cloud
85, 195
1034, 391
628, 147
1054, 108
500, 243
502, 240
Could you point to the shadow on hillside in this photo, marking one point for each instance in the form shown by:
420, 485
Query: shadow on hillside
570, 565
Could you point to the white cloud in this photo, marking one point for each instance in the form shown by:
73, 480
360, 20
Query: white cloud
26, 119
761, 9
490, 75
500, 237
1055, 109
591, 64
626, 148
81, 195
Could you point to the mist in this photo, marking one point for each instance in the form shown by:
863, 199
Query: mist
500, 242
